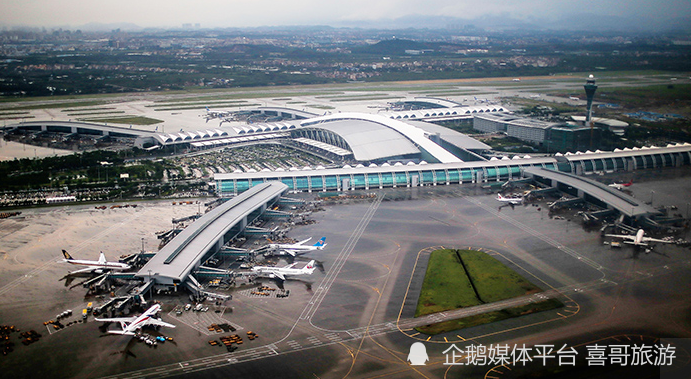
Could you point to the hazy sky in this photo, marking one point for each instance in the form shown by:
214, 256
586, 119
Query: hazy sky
243, 13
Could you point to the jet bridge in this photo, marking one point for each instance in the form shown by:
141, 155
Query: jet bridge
207, 235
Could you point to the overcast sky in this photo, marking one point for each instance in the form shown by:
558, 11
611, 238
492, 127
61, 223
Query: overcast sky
248, 13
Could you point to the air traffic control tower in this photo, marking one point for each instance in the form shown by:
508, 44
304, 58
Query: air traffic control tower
590, 88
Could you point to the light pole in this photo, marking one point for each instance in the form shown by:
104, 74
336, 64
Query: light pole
652, 193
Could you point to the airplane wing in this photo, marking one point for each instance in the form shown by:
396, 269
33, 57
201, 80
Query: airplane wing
117, 319
291, 252
292, 265
153, 321
88, 269
279, 275
631, 240
622, 236
303, 241
648, 239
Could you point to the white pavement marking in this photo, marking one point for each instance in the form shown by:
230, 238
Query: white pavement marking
537, 234
13, 284
340, 261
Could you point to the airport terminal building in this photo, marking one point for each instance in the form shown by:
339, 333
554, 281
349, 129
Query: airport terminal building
412, 174
184, 254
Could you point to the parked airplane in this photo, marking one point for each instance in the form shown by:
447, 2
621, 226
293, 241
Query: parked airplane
510, 200
130, 325
213, 113
282, 272
294, 249
638, 239
621, 186
574, 98
98, 266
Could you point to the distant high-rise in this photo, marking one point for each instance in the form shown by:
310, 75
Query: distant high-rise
590, 88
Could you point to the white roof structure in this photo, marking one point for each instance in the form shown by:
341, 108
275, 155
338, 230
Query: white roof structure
174, 262
443, 113
413, 134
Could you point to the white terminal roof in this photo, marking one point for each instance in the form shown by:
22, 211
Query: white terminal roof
248, 138
183, 253
451, 136
369, 140
436, 113
324, 146
410, 132
617, 199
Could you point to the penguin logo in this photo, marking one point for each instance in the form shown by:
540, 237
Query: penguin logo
418, 354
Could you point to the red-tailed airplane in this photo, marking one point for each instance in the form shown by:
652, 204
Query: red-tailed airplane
130, 325
282, 272
621, 186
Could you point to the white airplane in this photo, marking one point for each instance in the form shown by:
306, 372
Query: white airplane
294, 249
99, 266
130, 325
574, 98
510, 200
638, 239
282, 272
213, 113
621, 186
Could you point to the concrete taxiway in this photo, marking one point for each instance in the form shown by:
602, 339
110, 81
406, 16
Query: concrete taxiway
354, 318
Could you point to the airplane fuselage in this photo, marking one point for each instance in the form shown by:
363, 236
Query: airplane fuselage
283, 272
96, 265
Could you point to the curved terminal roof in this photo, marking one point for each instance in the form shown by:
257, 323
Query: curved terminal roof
174, 262
618, 200
221, 132
413, 134
370, 141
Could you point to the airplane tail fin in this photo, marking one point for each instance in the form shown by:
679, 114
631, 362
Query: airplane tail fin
67, 255
102, 258
310, 266
321, 242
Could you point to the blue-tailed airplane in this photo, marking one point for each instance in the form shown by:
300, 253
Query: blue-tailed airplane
294, 249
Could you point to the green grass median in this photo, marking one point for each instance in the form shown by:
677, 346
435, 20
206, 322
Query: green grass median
474, 279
